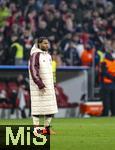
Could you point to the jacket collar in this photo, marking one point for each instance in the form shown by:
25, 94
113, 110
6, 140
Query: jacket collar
36, 49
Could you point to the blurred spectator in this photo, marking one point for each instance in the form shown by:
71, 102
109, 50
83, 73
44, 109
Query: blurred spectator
87, 55
56, 56
27, 39
16, 51
108, 84
42, 29
31, 20
2, 49
4, 13
23, 87
71, 56
66, 39
31, 5
72, 51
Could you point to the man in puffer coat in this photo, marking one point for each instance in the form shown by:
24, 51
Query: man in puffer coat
43, 99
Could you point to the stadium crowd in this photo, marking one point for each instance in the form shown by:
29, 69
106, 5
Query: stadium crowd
77, 29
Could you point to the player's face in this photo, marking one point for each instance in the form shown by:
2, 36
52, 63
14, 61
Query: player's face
44, 45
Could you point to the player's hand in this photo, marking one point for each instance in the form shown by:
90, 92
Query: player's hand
43, 90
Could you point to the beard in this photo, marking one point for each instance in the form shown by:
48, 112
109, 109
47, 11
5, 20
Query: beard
44, 49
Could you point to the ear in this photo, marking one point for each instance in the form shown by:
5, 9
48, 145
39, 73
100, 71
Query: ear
38, 45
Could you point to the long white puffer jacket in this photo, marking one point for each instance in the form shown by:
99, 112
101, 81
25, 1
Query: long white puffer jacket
42, 103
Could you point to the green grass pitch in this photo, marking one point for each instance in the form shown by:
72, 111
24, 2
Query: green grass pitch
78, 134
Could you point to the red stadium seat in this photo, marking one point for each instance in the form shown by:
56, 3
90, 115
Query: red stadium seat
12, 86
62, 99
2, 86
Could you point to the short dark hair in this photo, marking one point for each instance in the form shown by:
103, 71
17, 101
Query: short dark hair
40, 39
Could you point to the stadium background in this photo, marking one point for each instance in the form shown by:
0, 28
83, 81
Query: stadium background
72, 26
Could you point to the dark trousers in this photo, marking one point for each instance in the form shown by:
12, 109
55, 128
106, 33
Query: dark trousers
108, 98
13, 101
